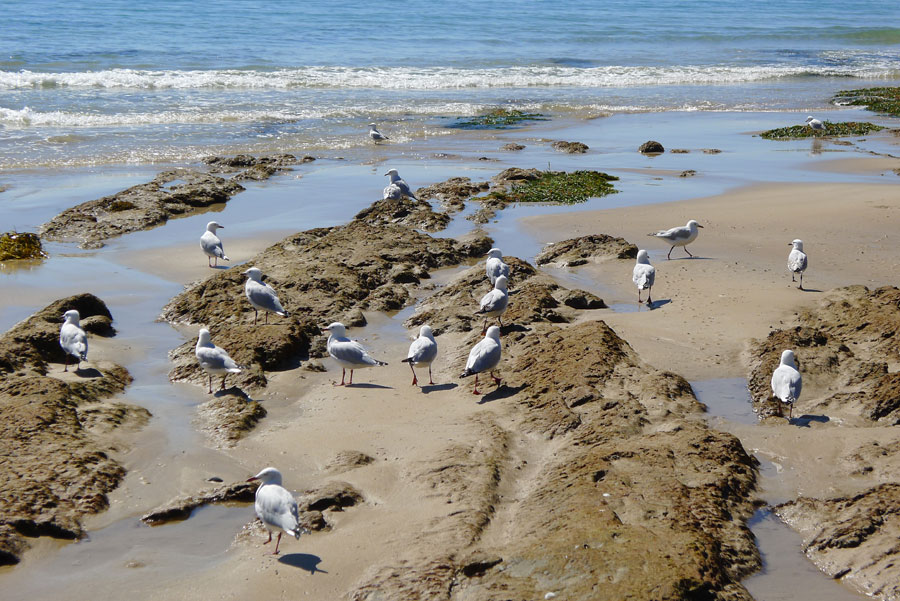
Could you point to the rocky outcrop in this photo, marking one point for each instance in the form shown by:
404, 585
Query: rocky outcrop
56, 468
170, 194
534, 297
406, 211
20, 245
853, 539
320, 276
578, 251
348, 460
593, 472
453, 193
570, 147
229, 417
651, 147
843, 346
180, 508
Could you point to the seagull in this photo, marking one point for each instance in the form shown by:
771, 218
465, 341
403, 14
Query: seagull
376, 135
797, 261
422, 352
679, 236
644, 275
494, 266
398, 181
214, 359
72, 339
392, 192
484, 356
786, 381
211, 244
494, 303
348, 353
815, 124
261, 295
276, 506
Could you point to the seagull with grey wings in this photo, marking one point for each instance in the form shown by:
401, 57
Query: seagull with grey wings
679, 236
422, 353
72, 338
275, 506
398, 181
211, 244
214, 359
786, 381
797, 261
643, 275
261, 296
484, 357
349, 354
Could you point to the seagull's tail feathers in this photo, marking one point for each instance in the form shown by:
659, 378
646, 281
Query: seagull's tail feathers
407, 360
225, 258
283, 313
81, 349
377, 362
235, 370
466, 373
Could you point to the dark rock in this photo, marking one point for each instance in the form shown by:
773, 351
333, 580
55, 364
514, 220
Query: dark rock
334, 496
651, 147
680, 151
181, 507
687, 173
512, 146
570, 147
406, 211
711, 151
581, 299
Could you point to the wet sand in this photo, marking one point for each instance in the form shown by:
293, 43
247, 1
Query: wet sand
737, 288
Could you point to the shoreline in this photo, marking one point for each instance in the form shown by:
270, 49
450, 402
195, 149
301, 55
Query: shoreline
644, 336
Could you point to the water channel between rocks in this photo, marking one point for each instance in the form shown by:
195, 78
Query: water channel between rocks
786, 574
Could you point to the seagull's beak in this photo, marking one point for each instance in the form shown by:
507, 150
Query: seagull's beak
698, 225
385, 174
326, 329
253, 479
790, 243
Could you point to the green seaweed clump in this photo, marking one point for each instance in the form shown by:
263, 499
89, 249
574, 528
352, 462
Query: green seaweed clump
880, 100
846, 128
15, 245
118, 206
560, 187
498, 118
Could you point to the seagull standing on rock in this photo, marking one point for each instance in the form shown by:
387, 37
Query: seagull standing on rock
786, 381
797, 261
644, 275
494, 266
815, 124
261, 296
211, 244
349, 354
214, 359
422, 353
376, 135
494, 303
484, 356
398, 181
72, 338
275, 506
679, 236
392, 192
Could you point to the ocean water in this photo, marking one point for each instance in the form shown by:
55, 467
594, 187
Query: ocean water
116, 82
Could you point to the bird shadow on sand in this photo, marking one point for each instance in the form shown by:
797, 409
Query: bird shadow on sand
88, 372
367, 385
808, 290
304, 561
694, 258
803, 421
221, 267
437, 387
501, 392
232, 390
658, 303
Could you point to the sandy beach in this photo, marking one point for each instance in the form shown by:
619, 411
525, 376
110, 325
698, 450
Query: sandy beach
458, 482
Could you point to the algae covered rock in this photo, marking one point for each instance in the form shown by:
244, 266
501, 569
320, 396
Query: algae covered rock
20, 245
879, 99
846, 128
577, 251
570, 147
651, 147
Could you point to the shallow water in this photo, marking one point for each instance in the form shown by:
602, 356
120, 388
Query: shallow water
786, 574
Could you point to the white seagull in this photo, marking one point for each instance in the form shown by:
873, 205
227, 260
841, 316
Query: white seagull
786, 381
72, 339
398, 181
261, 295
494, 303
494, 267
214, 359
644, 274
422, 352
392, 192
815, 124
376, 135
211, 244
276, 506
797, 261
484, 356
679, 236
348, 353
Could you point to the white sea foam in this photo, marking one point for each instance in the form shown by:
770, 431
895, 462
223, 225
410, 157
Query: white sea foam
447, 78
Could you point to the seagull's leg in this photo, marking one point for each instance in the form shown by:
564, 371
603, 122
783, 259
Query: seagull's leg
495, 378
255, 316
649, 302
793, 279
209, 384
351, 378
223, 382
476, 385
343, 371
209, 260
669, 256
267, 318
415, 380
791, 412
801, 281
66, 368
484, 327
277, 542
270, 537
500, 321
430, 380
639, 296
687, 251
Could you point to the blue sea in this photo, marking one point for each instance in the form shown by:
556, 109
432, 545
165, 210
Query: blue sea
168, 81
